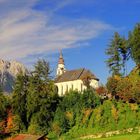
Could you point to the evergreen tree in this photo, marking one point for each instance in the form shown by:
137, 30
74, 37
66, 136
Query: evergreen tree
42, 99
114, 61
134, 43
119, 53
19, 97
3, 104
124, 51
42, 70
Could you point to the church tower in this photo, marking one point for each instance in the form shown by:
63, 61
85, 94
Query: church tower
61, 66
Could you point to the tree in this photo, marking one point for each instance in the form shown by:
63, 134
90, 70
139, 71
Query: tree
114, 61
134, 43
75, 108
119, 53
124, 51
42, 70
112, 84
19, 97
124, 89
3, 104
42, 98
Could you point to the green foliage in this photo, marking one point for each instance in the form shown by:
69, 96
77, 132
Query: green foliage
109, 116
134, 43
83, 114
17, 125
112, 84
127, 88
114, 61
89, 99
35, 99
72, 108
19, 97
42, 99
3, 104
118, 53
42, 70
124, 89
121, 137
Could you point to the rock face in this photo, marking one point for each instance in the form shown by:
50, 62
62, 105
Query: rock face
8, 73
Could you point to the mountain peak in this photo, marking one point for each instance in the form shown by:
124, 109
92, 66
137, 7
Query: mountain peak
8, 73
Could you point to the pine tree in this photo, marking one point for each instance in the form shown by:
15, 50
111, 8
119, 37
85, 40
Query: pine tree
134, 43
3, 104
42, 70
114, 61
42, 99
19, 97
124, 51
118, 53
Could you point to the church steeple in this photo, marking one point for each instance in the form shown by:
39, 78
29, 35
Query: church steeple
61, 60
61, 66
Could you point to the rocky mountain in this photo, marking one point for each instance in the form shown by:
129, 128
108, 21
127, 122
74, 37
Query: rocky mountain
8, 73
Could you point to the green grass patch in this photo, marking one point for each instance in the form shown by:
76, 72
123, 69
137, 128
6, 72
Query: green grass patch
120, 137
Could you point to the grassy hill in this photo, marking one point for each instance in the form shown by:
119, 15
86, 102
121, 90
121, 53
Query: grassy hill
121, 137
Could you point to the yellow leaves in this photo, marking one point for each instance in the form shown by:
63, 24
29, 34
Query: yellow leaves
97, 112
86, 115
69, 115
56, 128
114, 113
133, 107
87, 112
117, 77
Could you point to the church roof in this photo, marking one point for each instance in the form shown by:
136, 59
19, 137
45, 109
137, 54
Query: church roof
75, 75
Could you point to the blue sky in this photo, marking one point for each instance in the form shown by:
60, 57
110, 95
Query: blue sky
33, 29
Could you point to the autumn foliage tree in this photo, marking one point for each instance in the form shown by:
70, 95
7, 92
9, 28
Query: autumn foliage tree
112, 84
101, 90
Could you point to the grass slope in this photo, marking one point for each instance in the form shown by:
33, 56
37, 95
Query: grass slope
121, 137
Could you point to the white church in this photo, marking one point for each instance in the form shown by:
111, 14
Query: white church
73, 79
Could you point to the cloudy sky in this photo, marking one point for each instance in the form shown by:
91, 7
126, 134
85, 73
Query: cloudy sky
33, 29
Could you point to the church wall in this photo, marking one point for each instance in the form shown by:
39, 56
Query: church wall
63, 87
94, 83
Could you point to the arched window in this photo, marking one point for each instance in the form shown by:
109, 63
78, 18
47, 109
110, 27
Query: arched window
66, 88
61, 90
81, 87
72, 86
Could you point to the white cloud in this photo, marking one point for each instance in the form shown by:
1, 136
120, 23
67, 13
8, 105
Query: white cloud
24, 31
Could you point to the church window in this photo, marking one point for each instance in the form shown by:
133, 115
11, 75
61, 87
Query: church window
81, 87
61, 90
72, 86
66, 88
